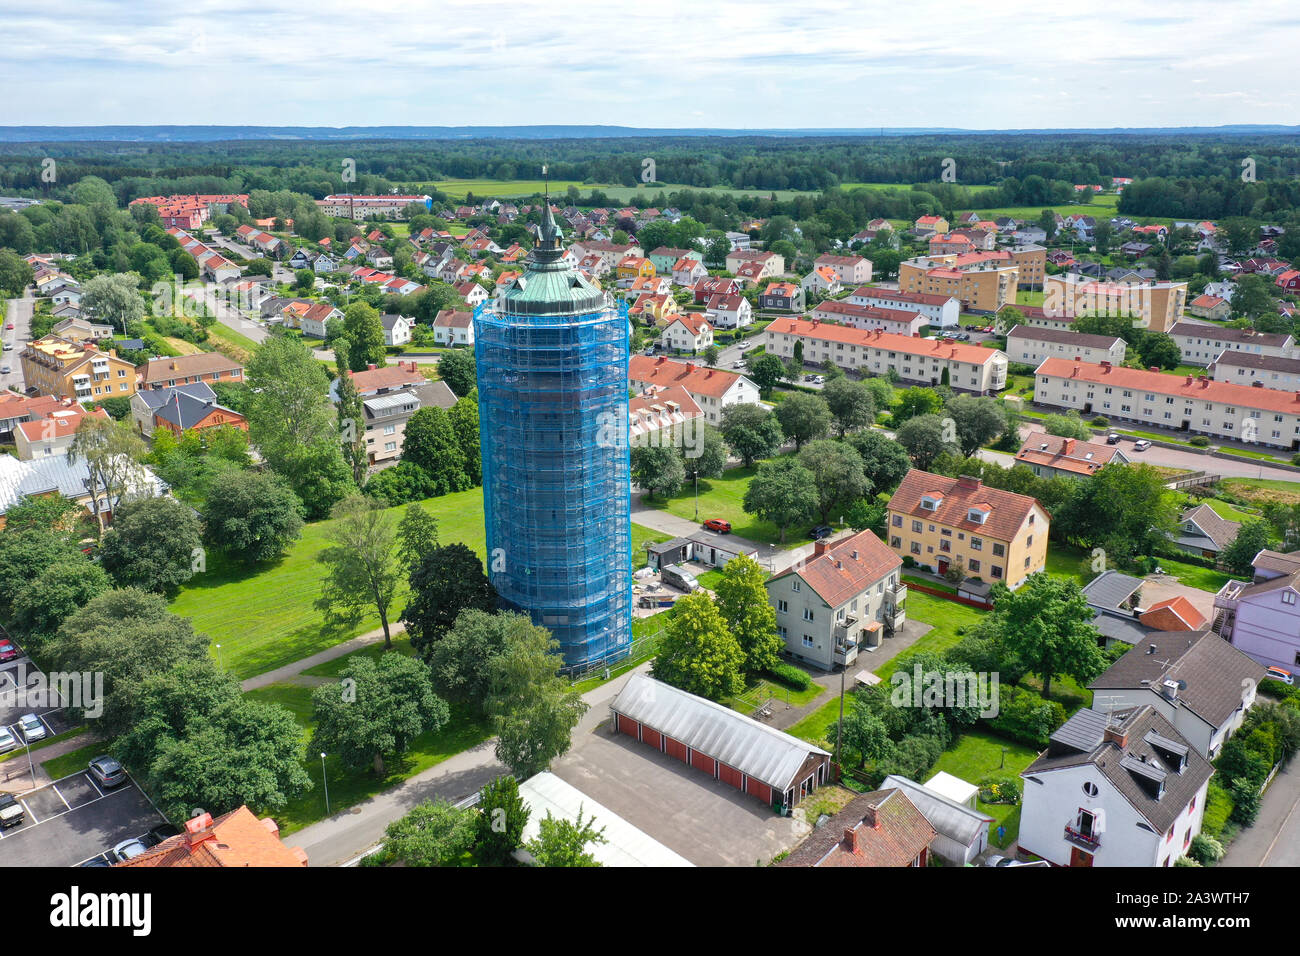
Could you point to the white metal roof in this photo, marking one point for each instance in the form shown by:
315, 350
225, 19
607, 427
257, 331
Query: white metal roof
741, 742
954, 788
625, 846
952, 818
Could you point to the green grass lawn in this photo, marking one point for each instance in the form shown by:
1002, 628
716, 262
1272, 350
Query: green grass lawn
501, 188
944, 617
1224, 509
978, 753
1195, 576
349, 787
723, 498
819, 727
72, 761
1065, 561
263, 617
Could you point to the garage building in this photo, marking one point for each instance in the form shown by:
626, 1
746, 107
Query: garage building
752, 757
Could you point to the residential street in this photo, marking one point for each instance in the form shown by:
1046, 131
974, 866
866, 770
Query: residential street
1274, 840
20, 314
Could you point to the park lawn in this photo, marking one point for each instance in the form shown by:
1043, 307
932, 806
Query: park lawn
181, 346
945, 618
1103, 204
1030, 297
818, 728
723, 498
644, 193
758, 690
349, 787
401, 645
975, 755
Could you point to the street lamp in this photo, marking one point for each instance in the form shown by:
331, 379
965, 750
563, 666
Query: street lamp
220, 666
326, 781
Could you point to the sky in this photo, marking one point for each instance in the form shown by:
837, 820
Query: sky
996, 64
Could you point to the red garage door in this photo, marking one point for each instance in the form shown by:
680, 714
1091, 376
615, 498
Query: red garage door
652, 737
675, 748
627, 725
730, 775
760, 790
703, 762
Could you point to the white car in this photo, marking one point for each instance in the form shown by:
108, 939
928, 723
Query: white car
1141, 445
30, 726
7, 740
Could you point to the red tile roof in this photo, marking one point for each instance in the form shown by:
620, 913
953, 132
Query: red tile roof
696, 379
238, 838
1007, 511
1189, 387
1064, 454
1173, 614
913, 345
881, 828
847, 568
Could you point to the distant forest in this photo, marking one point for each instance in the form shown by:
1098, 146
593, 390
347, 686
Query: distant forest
1197, 176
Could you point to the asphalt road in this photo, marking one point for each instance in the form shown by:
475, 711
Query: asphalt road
20, 314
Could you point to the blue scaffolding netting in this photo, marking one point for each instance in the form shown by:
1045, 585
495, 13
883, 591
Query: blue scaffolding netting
552, 364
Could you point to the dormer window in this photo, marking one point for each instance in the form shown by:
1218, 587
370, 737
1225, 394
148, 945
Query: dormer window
977, 515
930, 502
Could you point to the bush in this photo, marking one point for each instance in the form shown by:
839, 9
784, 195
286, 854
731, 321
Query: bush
1025, 717
1218, 808
1000, 788
789, 676
909, 561
1200, 441
1295, 459
1205, 849
1100, 422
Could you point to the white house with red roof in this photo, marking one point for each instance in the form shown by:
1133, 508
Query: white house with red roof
687, 332
844, 597
823, 280
712, 389
453, 327
852, 270
730, 311
656, 409
472, 292
687, 272
898, 321
940, 311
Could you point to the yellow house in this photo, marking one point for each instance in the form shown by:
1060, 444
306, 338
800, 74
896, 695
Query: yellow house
988, 533
77, 370
983, 281
635, 267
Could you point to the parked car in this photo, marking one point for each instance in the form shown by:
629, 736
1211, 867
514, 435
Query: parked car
30, 726
998, 860
819, 380
821, 531
128, 849
718, 525
5, 369
108, 773
678, 577
7, 740
8, 650
160, 833
738, 365
1278, 674
9, 325
1141, 445
8, 347
1112, 439
11, 811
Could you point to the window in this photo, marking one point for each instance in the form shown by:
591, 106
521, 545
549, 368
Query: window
974, 566
1288, 597
807, 640
807, 614
998, 550
1090, 788
898, 521
794, 585
995, 571
977, 544
390, 446
916, 549
782, 606
917, 527
390, 429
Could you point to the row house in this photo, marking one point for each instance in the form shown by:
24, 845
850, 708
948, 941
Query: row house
1187, 404
712, 389
940, 311
1247, 368
1029, 346
969, 368
183, 369
897, 321
659, 410
1203, 344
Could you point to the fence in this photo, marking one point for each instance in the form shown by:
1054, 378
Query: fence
641, 649
949, 596
1189, 481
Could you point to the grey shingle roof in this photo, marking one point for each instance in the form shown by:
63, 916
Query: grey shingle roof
1110, 589
1212, 669
1137, 769
1220, 531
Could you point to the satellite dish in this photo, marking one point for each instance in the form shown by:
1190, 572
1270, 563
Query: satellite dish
1182, 685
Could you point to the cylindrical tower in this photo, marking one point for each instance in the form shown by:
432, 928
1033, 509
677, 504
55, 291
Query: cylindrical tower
552, 358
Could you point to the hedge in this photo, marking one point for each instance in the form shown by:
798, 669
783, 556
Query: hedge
1025, 717
789, 676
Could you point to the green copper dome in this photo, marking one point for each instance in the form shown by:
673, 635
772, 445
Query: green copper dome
548, 286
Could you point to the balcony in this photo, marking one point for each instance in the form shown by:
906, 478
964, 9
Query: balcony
1227, 597
1088, 842
845, 653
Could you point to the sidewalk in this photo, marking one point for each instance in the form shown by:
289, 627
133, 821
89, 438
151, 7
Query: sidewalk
1272, 841
15, 775
288, 671
351, 832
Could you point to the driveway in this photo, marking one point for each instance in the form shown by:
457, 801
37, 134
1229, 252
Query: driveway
705, 820
1162, 587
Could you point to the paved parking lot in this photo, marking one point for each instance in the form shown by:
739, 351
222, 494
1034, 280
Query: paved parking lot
705, 820
72, 820
14, 704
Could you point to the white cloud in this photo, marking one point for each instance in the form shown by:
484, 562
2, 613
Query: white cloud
673, 63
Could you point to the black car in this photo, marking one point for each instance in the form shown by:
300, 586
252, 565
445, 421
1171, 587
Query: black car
160, 833
821, 531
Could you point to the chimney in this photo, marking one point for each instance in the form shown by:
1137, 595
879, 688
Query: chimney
1205, 383
1169, 689
1116, 736
1189, 380
1154, 368
968, 482
1067, 446
371, 366
851, 839
1074, 373
819, 548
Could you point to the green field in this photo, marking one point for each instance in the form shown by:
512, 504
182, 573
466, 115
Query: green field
349, 787
723, 498
945, 618
263, 617
503, 188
